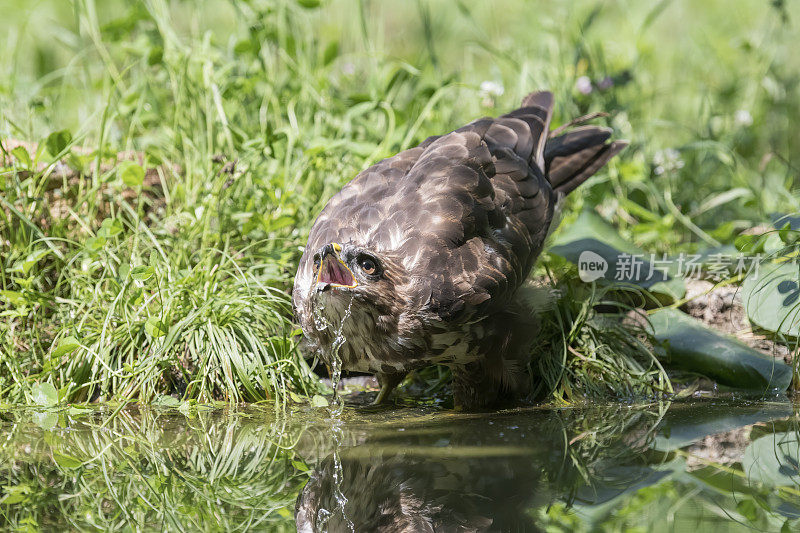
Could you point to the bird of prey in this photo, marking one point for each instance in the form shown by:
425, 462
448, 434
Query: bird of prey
389, 491
420, 258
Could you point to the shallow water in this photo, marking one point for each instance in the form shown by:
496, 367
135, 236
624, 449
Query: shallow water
713, 464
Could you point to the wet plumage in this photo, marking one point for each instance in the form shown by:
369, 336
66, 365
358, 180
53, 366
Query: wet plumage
425, 252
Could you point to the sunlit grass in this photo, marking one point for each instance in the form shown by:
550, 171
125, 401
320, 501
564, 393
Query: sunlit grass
248, 116
584, 354
151, 470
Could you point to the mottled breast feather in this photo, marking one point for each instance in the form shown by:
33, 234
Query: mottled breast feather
466, 213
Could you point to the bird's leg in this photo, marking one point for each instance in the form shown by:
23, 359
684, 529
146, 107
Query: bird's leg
473, 388
388, 382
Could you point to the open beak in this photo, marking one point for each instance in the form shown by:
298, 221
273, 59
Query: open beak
332, 270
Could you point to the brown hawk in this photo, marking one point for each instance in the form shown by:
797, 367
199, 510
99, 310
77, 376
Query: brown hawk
420, 258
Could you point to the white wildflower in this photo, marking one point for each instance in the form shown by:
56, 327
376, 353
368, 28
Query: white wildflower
492, 88
743, 118
667, 160
583, 85
489, 91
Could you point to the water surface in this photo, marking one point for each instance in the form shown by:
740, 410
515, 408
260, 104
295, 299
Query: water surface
711, 465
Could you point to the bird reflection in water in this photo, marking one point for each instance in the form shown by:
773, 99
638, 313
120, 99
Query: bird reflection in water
399, 492
469, 475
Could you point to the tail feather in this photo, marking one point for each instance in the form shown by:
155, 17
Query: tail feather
536, 111
571, 158
567, 159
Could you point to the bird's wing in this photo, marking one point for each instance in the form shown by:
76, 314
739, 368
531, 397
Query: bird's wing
466, 213
487, 208
497, 182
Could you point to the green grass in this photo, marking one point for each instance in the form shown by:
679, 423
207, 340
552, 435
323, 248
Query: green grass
583, 354
206, 471
250, 115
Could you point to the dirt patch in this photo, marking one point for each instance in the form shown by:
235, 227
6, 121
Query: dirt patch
60, 172
62, 180
722, 309
59, 185
723, 448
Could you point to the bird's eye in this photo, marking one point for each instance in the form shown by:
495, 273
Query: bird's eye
367, 265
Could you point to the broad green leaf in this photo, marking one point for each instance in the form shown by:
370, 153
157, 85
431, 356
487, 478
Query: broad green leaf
771, 297
691, 346
22, 156
363, 149
13, 297
57, 142
32, 259
25, 283
65, 345
187, 407
774, 460
44, 394
299, 465
46, 420
709, 475
683, 424
131, 174
601, 254
137, 297
330, 53
95, 244
280, 222
111, 227
155, 55
244, 46
590, 225
724, 232
15, 494
319, 401
66, 461
166, 401
773, 243
749, 509
142, 273
319, 145
155, 328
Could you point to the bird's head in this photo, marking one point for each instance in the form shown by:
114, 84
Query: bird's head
350, 279
347, 289
346, 268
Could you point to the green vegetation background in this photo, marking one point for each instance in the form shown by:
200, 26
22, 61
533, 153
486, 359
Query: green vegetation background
169, 273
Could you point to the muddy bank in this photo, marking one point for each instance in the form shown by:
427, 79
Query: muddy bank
721, 309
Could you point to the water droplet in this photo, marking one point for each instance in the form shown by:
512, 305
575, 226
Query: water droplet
334, 359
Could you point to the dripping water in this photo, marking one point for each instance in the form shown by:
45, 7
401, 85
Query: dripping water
337, 405
334, 358
318, 313
324, 515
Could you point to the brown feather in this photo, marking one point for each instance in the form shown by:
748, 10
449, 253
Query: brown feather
456, 223
573, 157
